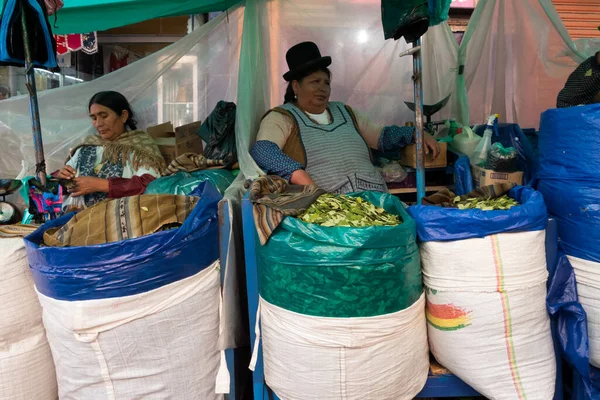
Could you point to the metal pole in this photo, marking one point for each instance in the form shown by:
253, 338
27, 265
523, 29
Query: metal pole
33, 104
418, 81
415, 51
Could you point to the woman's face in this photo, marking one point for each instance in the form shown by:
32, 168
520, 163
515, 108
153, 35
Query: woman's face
108, 124
313, 92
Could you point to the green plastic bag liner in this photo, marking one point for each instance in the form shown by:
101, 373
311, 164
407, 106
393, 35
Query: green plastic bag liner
340, 271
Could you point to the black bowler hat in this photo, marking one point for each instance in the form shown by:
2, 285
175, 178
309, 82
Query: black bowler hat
302, 57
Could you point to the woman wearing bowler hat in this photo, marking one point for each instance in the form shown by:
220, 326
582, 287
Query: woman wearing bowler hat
311, 140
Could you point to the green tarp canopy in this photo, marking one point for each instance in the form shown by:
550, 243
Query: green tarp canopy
84, 16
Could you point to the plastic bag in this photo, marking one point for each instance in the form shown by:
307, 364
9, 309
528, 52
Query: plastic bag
408, 18
393, 172
343, 272
438, 11
218, 132
443, 224
184, 183
502, 159
43, 45
128, 267
511, 135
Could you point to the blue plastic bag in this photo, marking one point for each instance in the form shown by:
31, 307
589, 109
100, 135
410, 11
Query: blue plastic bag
446, 224
41, 41
511, 135
569, 176
569, 179
131, 266
463, 178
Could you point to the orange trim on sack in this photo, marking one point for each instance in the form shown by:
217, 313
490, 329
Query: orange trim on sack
510, 347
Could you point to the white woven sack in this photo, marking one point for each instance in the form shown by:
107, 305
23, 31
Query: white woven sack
373, 358
486, 312
26, 367
155, 345
588, 289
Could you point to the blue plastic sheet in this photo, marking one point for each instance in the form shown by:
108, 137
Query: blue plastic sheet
569, 321
569, 179
569, 176
463, 179
511, 135
446, 224
131, 266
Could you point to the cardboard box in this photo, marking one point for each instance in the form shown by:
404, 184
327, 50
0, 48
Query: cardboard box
486, 177
408, 157
174, 142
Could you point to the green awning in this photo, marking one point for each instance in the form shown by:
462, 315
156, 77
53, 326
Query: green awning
83, 16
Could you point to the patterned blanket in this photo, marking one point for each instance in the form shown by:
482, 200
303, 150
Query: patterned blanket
274, 199
190, 162
121, 219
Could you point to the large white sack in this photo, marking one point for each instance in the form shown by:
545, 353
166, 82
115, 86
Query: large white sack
371, 358
486, 312
26, 367
588, 289
155, 345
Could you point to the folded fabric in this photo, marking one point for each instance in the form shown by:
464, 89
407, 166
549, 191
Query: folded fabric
190, 162
445, 197
17, 230
121, 219
274, 199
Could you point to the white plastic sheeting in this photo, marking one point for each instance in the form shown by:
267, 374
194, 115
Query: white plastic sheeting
203, 66
26, 366
486, 312
157, 344
382, 357
517, 56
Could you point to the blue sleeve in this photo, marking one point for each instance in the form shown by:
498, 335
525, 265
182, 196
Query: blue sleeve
272, 160
395, 137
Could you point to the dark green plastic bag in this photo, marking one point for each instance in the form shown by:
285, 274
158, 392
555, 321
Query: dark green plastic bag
343, 272
183, 183
404, 18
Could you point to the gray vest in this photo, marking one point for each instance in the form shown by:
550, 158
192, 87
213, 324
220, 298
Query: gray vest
337, 156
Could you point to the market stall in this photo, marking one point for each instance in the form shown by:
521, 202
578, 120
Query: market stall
245, 63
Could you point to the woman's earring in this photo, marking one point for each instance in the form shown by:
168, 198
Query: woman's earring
295, 96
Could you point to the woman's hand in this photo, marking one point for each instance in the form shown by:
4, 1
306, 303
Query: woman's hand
89, 184
431, 145
67, 172
301, 177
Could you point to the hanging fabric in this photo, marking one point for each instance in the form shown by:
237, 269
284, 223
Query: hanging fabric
41, 41
61, 44
86, 42
74, 42
90, 43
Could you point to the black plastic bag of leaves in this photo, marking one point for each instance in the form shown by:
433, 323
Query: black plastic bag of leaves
218, 132
502, 159
404, 18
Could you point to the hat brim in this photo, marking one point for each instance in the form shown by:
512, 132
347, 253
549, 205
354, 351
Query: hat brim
317, 62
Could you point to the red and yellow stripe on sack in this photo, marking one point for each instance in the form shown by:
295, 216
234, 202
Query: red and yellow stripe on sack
508, 334
447, 317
